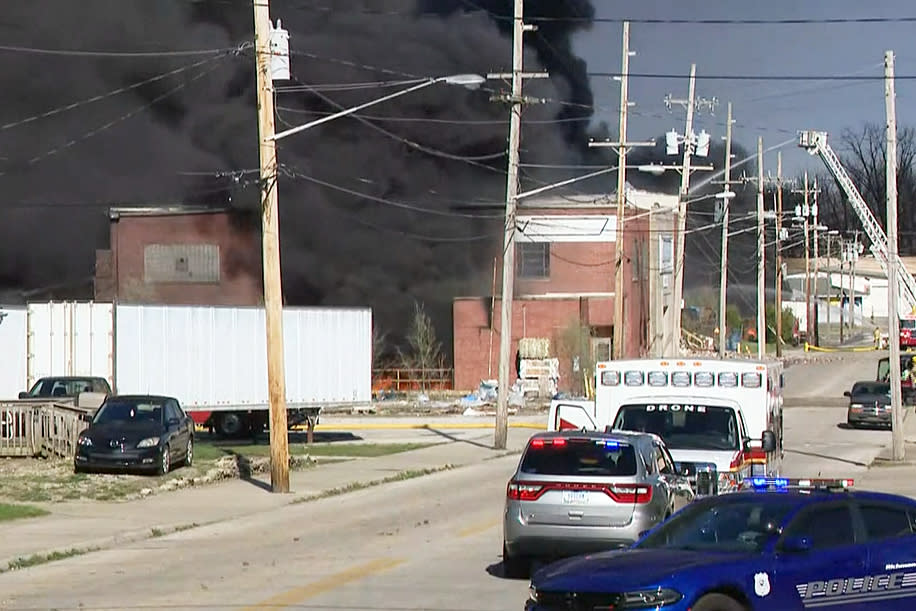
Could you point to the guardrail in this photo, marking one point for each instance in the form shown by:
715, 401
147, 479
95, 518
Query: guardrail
31, 428
399, 380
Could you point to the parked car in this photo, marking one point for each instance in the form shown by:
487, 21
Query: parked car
869, 403
781, 545
136, 432
576, 491
66, 386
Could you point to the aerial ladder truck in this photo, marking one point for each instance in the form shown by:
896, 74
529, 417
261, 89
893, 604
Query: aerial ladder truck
816, 144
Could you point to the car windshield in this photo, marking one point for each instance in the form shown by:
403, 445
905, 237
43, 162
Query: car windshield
908, 323
683, 427
744, 525
128, 411
580, 458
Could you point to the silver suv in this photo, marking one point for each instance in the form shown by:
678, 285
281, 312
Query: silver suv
576, 492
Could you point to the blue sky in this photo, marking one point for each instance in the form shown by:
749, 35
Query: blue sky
771, 109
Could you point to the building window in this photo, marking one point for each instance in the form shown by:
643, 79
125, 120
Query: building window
533, 260
181, 263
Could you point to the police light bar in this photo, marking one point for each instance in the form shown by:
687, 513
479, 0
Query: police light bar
785, 483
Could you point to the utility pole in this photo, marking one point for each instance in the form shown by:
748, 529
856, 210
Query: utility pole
681, 227
899, 452
270, 237
829, 276
854, 256
621, 147
817, 230
779, 254
761, 258
843, 254
806, 211
506, 298
723, 271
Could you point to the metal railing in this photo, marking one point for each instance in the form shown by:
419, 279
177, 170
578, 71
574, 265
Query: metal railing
37, 428
401, 380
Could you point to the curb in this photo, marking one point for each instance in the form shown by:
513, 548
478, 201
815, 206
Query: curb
430, 426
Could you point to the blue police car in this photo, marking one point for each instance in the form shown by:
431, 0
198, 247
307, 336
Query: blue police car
779, 544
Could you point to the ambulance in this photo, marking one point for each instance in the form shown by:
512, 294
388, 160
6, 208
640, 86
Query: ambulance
720, 418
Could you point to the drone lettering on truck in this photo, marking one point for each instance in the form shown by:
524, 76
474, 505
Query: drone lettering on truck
721, 417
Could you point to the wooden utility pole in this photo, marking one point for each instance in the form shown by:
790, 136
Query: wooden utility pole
726, 205
619, 324
829, 277
270, 239
806, 212
680, 229
843, 254
815, 215
853, 257
779, 254
893, 281
761, 258
619, 241
508, 284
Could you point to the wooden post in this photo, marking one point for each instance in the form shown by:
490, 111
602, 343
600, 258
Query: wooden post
270, 238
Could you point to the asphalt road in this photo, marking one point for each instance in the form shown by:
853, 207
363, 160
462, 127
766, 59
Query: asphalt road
429, 543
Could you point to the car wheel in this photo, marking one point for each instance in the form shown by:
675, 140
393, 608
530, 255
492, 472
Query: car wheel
189, 453
515, 567
165, 461
718, 602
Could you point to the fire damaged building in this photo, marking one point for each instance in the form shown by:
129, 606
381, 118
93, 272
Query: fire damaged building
180, 255
564, 286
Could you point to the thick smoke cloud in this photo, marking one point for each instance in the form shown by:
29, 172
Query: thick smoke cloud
337, 248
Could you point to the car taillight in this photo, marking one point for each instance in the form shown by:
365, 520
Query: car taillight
523, 492
630, 493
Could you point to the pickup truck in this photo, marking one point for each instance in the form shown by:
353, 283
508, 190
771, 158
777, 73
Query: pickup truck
906, 386
66, 387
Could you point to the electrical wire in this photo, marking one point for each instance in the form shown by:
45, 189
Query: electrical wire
322, 113
760, 77
97, 98
88, 53
95, 131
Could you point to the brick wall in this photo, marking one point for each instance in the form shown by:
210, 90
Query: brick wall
530, 318
239, 259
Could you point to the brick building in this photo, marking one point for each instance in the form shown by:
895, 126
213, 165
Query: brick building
181, 255
565, 255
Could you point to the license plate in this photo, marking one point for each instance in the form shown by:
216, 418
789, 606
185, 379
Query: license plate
575, 497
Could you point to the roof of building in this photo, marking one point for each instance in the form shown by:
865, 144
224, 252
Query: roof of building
117, 212
637, 198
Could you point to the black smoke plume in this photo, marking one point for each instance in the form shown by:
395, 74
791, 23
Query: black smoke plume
150, 145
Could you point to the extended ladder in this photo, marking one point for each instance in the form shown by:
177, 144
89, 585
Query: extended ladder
816, 143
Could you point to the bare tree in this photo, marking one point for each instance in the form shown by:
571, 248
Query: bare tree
424, 352
863, 154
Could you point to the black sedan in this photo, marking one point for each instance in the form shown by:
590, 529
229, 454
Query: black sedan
869, 404
136, 432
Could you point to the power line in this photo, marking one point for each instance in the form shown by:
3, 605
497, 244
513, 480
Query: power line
760, 77
97, 98
88, 53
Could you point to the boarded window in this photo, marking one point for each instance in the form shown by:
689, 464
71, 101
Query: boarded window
189, 263
533, 260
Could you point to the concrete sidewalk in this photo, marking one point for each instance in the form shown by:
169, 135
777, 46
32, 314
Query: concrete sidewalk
77, 527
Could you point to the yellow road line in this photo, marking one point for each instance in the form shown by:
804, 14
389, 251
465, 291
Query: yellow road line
476, 529
331, 582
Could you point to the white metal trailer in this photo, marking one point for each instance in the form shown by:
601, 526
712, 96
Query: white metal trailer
213, 359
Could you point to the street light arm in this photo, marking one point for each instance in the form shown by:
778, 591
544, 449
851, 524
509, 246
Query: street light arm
465, 80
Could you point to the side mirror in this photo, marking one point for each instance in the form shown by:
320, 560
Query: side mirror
768, 441
25, 395
173, 422
796, 545
847, 394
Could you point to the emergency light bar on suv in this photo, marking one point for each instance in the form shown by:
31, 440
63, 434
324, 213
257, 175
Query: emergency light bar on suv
800, 484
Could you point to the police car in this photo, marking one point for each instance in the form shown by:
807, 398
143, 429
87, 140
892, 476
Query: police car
777, 544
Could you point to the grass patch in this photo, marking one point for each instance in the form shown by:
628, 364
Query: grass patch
354, 486
214, 451
37, 559
18, 512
